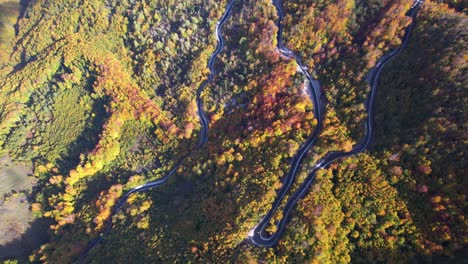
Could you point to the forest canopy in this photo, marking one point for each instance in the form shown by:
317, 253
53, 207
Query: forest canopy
104, 96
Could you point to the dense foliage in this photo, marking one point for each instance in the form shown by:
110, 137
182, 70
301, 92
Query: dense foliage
101, 96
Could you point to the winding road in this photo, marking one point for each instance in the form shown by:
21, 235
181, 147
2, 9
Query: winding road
203, 137
258, 235
219, 37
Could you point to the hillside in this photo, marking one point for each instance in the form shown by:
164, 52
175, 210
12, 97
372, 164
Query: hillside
211, 113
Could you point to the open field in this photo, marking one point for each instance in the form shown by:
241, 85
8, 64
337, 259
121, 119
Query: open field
13, 177
9, 10
21, 231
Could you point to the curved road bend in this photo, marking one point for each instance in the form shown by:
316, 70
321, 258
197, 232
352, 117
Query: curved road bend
202, 137
219, 37
258, 234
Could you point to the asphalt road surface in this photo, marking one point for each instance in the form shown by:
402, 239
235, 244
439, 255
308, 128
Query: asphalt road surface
258, 235
203, 137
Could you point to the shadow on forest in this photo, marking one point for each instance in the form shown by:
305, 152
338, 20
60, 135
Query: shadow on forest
89, 137
406, 105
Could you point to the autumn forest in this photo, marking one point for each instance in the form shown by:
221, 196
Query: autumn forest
164, 131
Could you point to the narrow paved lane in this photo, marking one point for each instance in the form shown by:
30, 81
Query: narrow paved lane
219, 36
203, 137
258, 235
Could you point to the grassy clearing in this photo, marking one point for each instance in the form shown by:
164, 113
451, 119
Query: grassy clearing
9, 11
13, 177
21, 230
